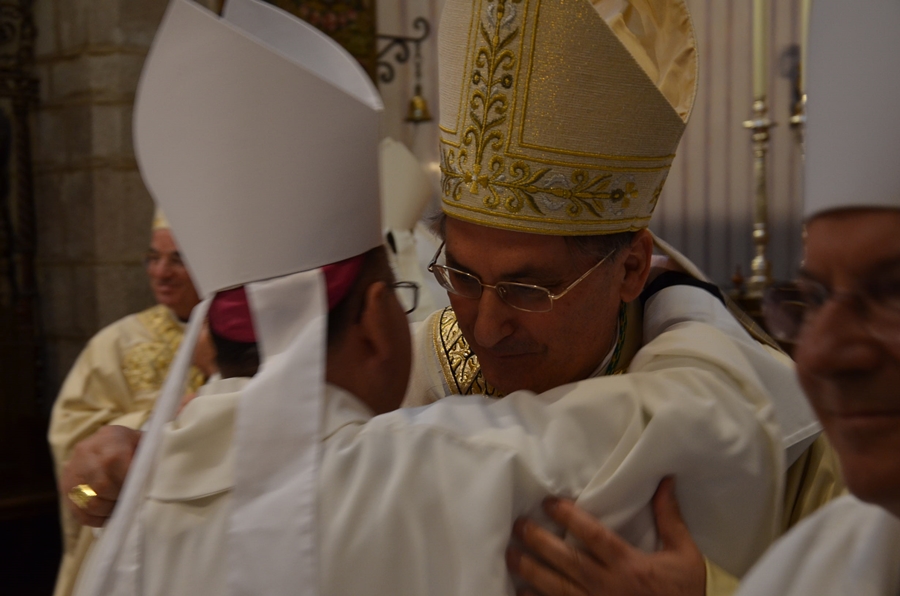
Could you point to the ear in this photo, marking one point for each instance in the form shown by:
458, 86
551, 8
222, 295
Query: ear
637, 260
374, 328
357, 362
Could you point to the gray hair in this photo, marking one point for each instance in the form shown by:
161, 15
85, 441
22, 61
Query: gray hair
592, 248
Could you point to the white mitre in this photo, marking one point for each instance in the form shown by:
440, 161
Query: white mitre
853, 129
405, 193
405, 189
258, 135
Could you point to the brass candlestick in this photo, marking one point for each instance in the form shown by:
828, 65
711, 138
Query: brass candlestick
760, 268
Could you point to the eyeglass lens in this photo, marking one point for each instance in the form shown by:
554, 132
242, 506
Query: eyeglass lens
407, 294
519, 296
789, 307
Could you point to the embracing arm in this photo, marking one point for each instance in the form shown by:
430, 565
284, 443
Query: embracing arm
607, 564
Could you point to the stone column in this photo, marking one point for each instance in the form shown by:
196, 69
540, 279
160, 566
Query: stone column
93, 211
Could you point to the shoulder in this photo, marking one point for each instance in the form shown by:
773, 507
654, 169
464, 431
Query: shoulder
146, 324
116, 329
112, 340
846, 547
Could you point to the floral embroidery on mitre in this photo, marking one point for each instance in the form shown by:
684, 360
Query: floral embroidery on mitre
496, 172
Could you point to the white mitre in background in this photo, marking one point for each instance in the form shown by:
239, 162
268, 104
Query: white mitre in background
853, 129
852, 144
405, 193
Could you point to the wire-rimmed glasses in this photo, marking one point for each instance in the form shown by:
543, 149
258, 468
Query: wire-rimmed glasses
524, 297
789, 307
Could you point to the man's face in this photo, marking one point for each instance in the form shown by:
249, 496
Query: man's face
525, 350
169, 279
848, 366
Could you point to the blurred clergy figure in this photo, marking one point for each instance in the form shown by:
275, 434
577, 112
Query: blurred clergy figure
118, 376
847, 328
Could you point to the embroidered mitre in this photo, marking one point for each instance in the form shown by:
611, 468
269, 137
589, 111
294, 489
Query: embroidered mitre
562, 116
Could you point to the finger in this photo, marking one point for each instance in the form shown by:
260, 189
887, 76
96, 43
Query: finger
90, 520
569, 561
670, 526
605, 546
94, 516
112, 464
99, 507
102, 460
94, 506
539, 576
103, 480
116, 465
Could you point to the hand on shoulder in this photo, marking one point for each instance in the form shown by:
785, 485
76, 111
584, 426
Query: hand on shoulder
607, 564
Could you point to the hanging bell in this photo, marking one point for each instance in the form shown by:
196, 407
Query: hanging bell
418, 108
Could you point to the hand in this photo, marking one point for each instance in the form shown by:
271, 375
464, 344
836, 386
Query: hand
100, 461
608, 565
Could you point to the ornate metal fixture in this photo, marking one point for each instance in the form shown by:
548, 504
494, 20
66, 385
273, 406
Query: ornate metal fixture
760, 267
418, 107
401, 43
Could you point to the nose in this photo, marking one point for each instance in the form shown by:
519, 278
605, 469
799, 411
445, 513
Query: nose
494, 319
836, 341
161, 268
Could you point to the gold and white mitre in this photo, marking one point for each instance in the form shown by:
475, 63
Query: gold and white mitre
562, 116
258, 135
852, 129
159, 221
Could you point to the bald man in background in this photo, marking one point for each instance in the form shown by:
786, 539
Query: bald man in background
116, 379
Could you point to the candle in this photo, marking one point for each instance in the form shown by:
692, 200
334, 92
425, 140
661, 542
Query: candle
760, 47
804, 42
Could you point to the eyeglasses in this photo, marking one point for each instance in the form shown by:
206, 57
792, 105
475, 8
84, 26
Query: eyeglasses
408, 294
525, 297
789, 307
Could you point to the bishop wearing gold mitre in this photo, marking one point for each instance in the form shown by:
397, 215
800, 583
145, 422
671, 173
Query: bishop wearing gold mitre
559, 123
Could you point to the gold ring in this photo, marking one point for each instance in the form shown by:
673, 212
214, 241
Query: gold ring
81, 495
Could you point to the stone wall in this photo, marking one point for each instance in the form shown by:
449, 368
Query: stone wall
93, 211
